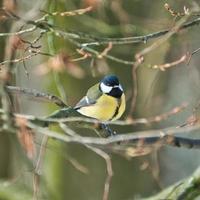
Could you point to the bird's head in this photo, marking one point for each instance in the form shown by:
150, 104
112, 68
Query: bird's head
110, 85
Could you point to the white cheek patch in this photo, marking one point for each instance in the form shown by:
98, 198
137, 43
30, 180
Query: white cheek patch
120, 87
105, 88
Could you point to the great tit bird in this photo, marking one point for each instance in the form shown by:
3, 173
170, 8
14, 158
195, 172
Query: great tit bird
104, 101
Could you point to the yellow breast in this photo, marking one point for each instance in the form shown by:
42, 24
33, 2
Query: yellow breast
105, 108
121, 109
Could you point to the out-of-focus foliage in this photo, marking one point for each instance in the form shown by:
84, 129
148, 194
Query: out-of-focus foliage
71, 171
11, 191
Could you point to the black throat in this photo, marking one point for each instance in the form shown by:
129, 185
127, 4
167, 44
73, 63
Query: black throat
115, 92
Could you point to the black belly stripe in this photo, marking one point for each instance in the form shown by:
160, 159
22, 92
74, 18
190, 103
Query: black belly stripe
117, 109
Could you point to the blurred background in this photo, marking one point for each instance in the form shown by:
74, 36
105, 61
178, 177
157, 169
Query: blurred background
71, 171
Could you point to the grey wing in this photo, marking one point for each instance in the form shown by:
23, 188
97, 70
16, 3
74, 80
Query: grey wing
85, 101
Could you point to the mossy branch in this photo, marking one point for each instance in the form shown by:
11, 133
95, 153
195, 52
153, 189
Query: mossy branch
186, 189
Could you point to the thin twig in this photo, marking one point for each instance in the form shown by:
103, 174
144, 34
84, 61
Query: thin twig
28, 30
68, 130
164, 66
92, 51
195, 51
190, 55
134, 91
17, 60
38, 23
160, 41
37, 171
175, 13
41, 154
72, 13
75, 163
106, 50
107, 159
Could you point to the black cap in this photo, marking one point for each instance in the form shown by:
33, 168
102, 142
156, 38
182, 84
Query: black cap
110, 80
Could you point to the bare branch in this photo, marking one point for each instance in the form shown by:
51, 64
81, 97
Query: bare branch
36, 94
28, 30
63, 116
139, 39
150, 137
